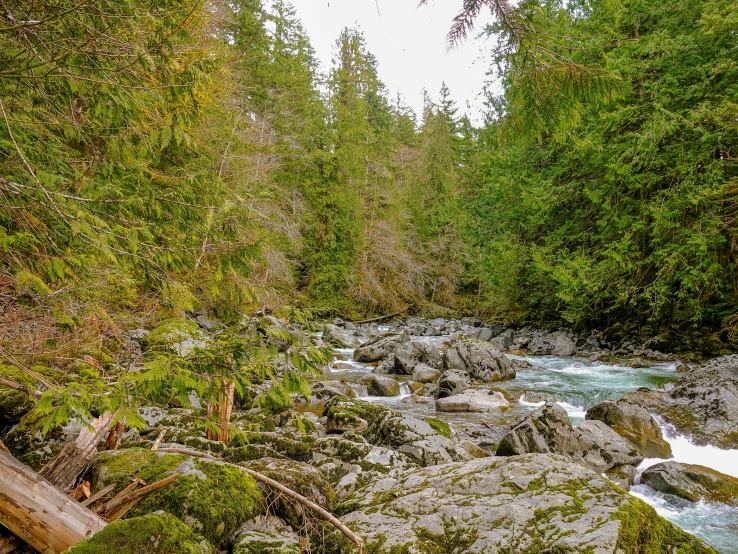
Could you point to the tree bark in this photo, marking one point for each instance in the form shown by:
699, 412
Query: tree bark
62, 471
38, 513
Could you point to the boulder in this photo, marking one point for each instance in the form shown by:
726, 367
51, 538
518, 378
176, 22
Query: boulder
412, 353
412, 436
266, 535
692, 482
503, 341
379, 348
380, 385
211, 498
623, 476
525, 365
633, 422
345, 415
423, 373
563, 345
480, 360
532, 503
325, 390
472, 400
157, 533
548, 430
338, 336
453, 382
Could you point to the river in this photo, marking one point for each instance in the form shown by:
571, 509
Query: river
576, 384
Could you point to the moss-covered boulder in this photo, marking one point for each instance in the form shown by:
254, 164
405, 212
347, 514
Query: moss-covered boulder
529, 504
159, 533
212, 498
175, 334
692, 482
346, 415
29, 445
266, 535
300, 477
285, 443
13, 406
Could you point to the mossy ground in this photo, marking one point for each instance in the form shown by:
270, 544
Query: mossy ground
152, 534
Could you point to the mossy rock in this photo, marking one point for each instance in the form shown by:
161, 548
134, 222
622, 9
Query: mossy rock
159, 533
13, 406
349, 415
256, 542
29, 445
286, 444
174, 334
212, 498
440, 427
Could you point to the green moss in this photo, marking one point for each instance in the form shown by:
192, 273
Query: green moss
152, 534
287, 445
171, 331
211, 497
642, 530
440, 427
343, 409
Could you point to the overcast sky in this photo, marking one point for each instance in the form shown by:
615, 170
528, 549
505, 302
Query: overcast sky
408, 42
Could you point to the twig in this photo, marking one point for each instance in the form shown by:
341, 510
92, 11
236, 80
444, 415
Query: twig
98, 495
140, 493
325, 514
159, 438
19, 387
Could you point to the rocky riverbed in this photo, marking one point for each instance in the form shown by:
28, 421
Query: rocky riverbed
446, 436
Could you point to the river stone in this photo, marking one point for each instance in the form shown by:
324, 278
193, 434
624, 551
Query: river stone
633, 422
412, 436
325, 390
504, 341
266, 535
423, 373
410, 354
480, 360
548, 430
379, 348
347, 415
532, 503
453, 381
525, 365
563, 344
692, 482
338, 336
623, 476
472, 400
380, 385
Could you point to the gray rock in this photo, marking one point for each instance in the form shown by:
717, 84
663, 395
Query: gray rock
325, 390
472, 400
338, 336
602, 449
379, 385
623, 476
379, 348
266, 535
423, 373
533, 503
563, 344
633, 422
504, 340
692, 482
480, 360
410, 354
453, 381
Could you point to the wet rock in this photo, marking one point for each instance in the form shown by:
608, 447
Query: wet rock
266, 535
480, 360
692, 482
325, 390
423, 373
338, 336
633, 422
379, 348
531, 503
472, 400
379, 385
525, 365
548, 430
157, 533
453, 381
411, 436
623, 476
410, 354
648, 398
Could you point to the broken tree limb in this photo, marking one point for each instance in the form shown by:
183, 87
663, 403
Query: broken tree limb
17, 386
38, 513
115, 436
159, 438
140, 493
98, 495
322, 512
381, 317
64, 468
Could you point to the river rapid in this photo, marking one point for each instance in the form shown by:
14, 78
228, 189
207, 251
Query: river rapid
577, 384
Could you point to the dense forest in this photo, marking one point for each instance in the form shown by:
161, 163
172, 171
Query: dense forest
192, 156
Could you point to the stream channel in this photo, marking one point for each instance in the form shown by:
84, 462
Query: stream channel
577, 384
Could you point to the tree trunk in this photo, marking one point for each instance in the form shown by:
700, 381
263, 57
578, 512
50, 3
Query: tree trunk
38, 513
62, 471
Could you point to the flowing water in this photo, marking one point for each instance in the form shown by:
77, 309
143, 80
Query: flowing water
577, 384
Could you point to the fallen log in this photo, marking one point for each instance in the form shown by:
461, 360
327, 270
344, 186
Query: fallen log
381, 317
322, 512
64, 468
38, 513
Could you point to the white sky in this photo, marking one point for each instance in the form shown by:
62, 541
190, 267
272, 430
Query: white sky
409, 44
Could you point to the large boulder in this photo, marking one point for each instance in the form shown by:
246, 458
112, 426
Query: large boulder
423, 373
563, 345
480, 360
531, 503
410, 354
339, 336
692, 482
158, 533
472, 400
453, 381
412, 436
548, 430
704, 403
266, 535
380, 348
380, 385
633, 422
345, 415
212, 498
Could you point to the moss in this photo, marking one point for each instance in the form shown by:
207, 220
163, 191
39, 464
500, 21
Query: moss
211, 497
440, 427
643, 530
152, 534
341, 408
286, 444
267, 546
171, 331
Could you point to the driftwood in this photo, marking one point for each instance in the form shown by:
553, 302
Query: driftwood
322, 512
381, 317
98, 495
159, 438
132, 497
38, 513
63, 470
